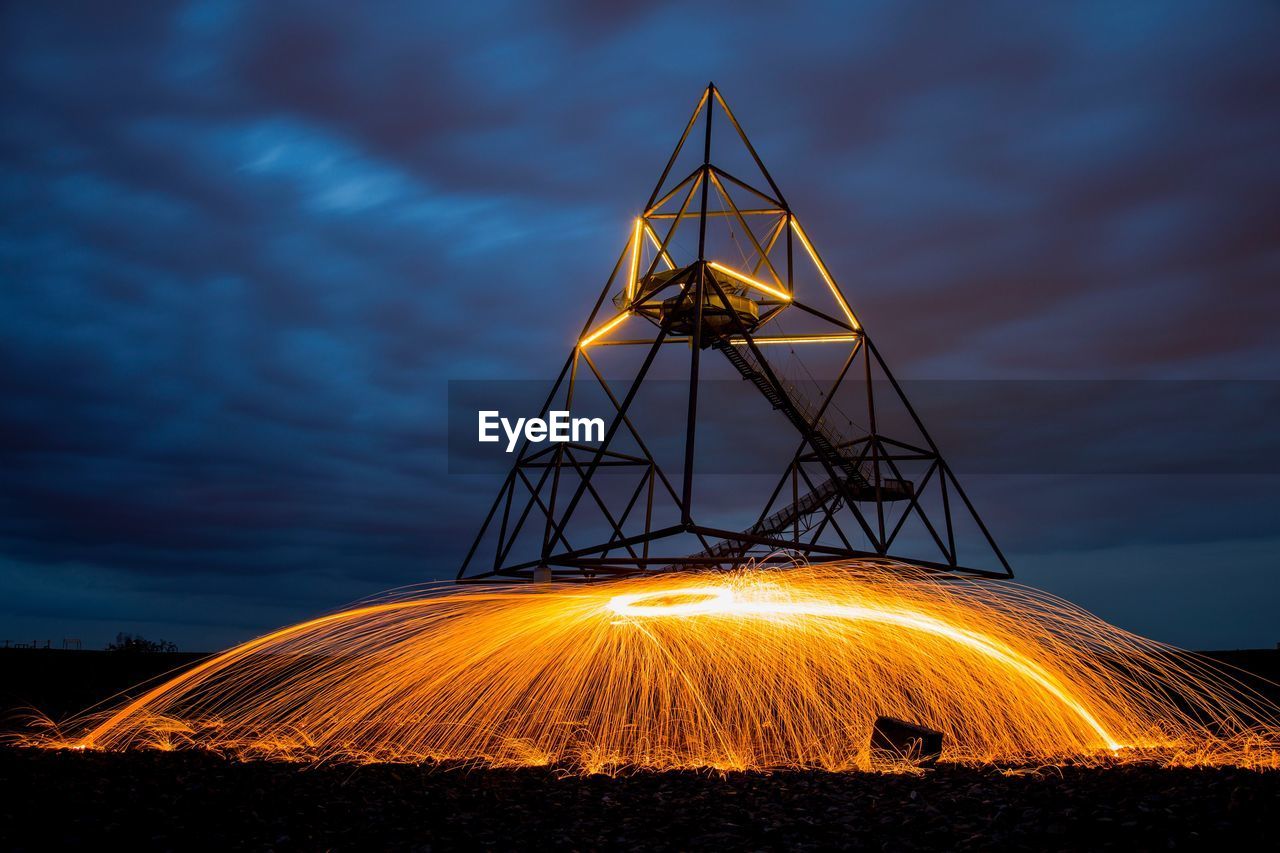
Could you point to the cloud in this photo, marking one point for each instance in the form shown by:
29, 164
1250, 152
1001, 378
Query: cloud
245, 246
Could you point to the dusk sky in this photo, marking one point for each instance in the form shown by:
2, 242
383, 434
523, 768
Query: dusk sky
245, 246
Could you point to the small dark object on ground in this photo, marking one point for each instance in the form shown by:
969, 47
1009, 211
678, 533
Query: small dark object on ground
194, 800
903, 740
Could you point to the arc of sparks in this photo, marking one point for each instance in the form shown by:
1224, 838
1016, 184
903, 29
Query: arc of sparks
760, 669
723, 601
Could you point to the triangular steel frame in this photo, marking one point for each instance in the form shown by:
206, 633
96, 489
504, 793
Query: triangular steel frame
863, 471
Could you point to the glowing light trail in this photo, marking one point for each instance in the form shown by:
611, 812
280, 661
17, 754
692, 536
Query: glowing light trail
750, 282
826, 276
751, 669
657, 244
796, 339
604, 330
634, 271
723, 601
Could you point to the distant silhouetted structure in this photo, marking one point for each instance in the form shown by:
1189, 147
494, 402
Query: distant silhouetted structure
137, 643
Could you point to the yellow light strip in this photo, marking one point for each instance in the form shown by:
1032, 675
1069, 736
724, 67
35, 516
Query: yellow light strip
774, 233
657, 244
761, 251
684, 210
635, 261
749, 281
835, 291
743, 211
605, 329
797, 339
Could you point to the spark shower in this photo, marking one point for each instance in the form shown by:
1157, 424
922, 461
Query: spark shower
754, 669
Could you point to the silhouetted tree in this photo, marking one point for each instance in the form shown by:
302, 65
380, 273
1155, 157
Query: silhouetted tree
131, 643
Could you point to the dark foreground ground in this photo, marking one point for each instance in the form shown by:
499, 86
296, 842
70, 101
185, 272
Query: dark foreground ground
53, 800
58, 800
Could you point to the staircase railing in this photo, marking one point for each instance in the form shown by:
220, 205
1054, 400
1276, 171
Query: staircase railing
827, 440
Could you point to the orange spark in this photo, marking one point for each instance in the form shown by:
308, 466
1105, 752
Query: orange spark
750, 669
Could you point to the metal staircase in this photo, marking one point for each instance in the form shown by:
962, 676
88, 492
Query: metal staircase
775, 524
791, 403
828, 444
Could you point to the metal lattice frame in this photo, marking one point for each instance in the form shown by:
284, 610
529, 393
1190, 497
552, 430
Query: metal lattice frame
548, 485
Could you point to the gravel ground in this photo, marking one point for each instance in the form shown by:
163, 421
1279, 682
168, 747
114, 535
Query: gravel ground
154, 800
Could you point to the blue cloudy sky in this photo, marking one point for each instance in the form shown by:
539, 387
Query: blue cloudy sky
245, 245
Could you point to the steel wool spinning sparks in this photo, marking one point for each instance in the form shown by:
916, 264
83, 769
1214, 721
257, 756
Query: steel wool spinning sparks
722, 600
752, 669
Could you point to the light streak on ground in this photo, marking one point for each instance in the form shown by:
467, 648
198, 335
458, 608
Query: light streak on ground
721, 600
751, 669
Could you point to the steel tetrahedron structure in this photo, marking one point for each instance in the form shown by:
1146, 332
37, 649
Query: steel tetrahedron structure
718, 280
